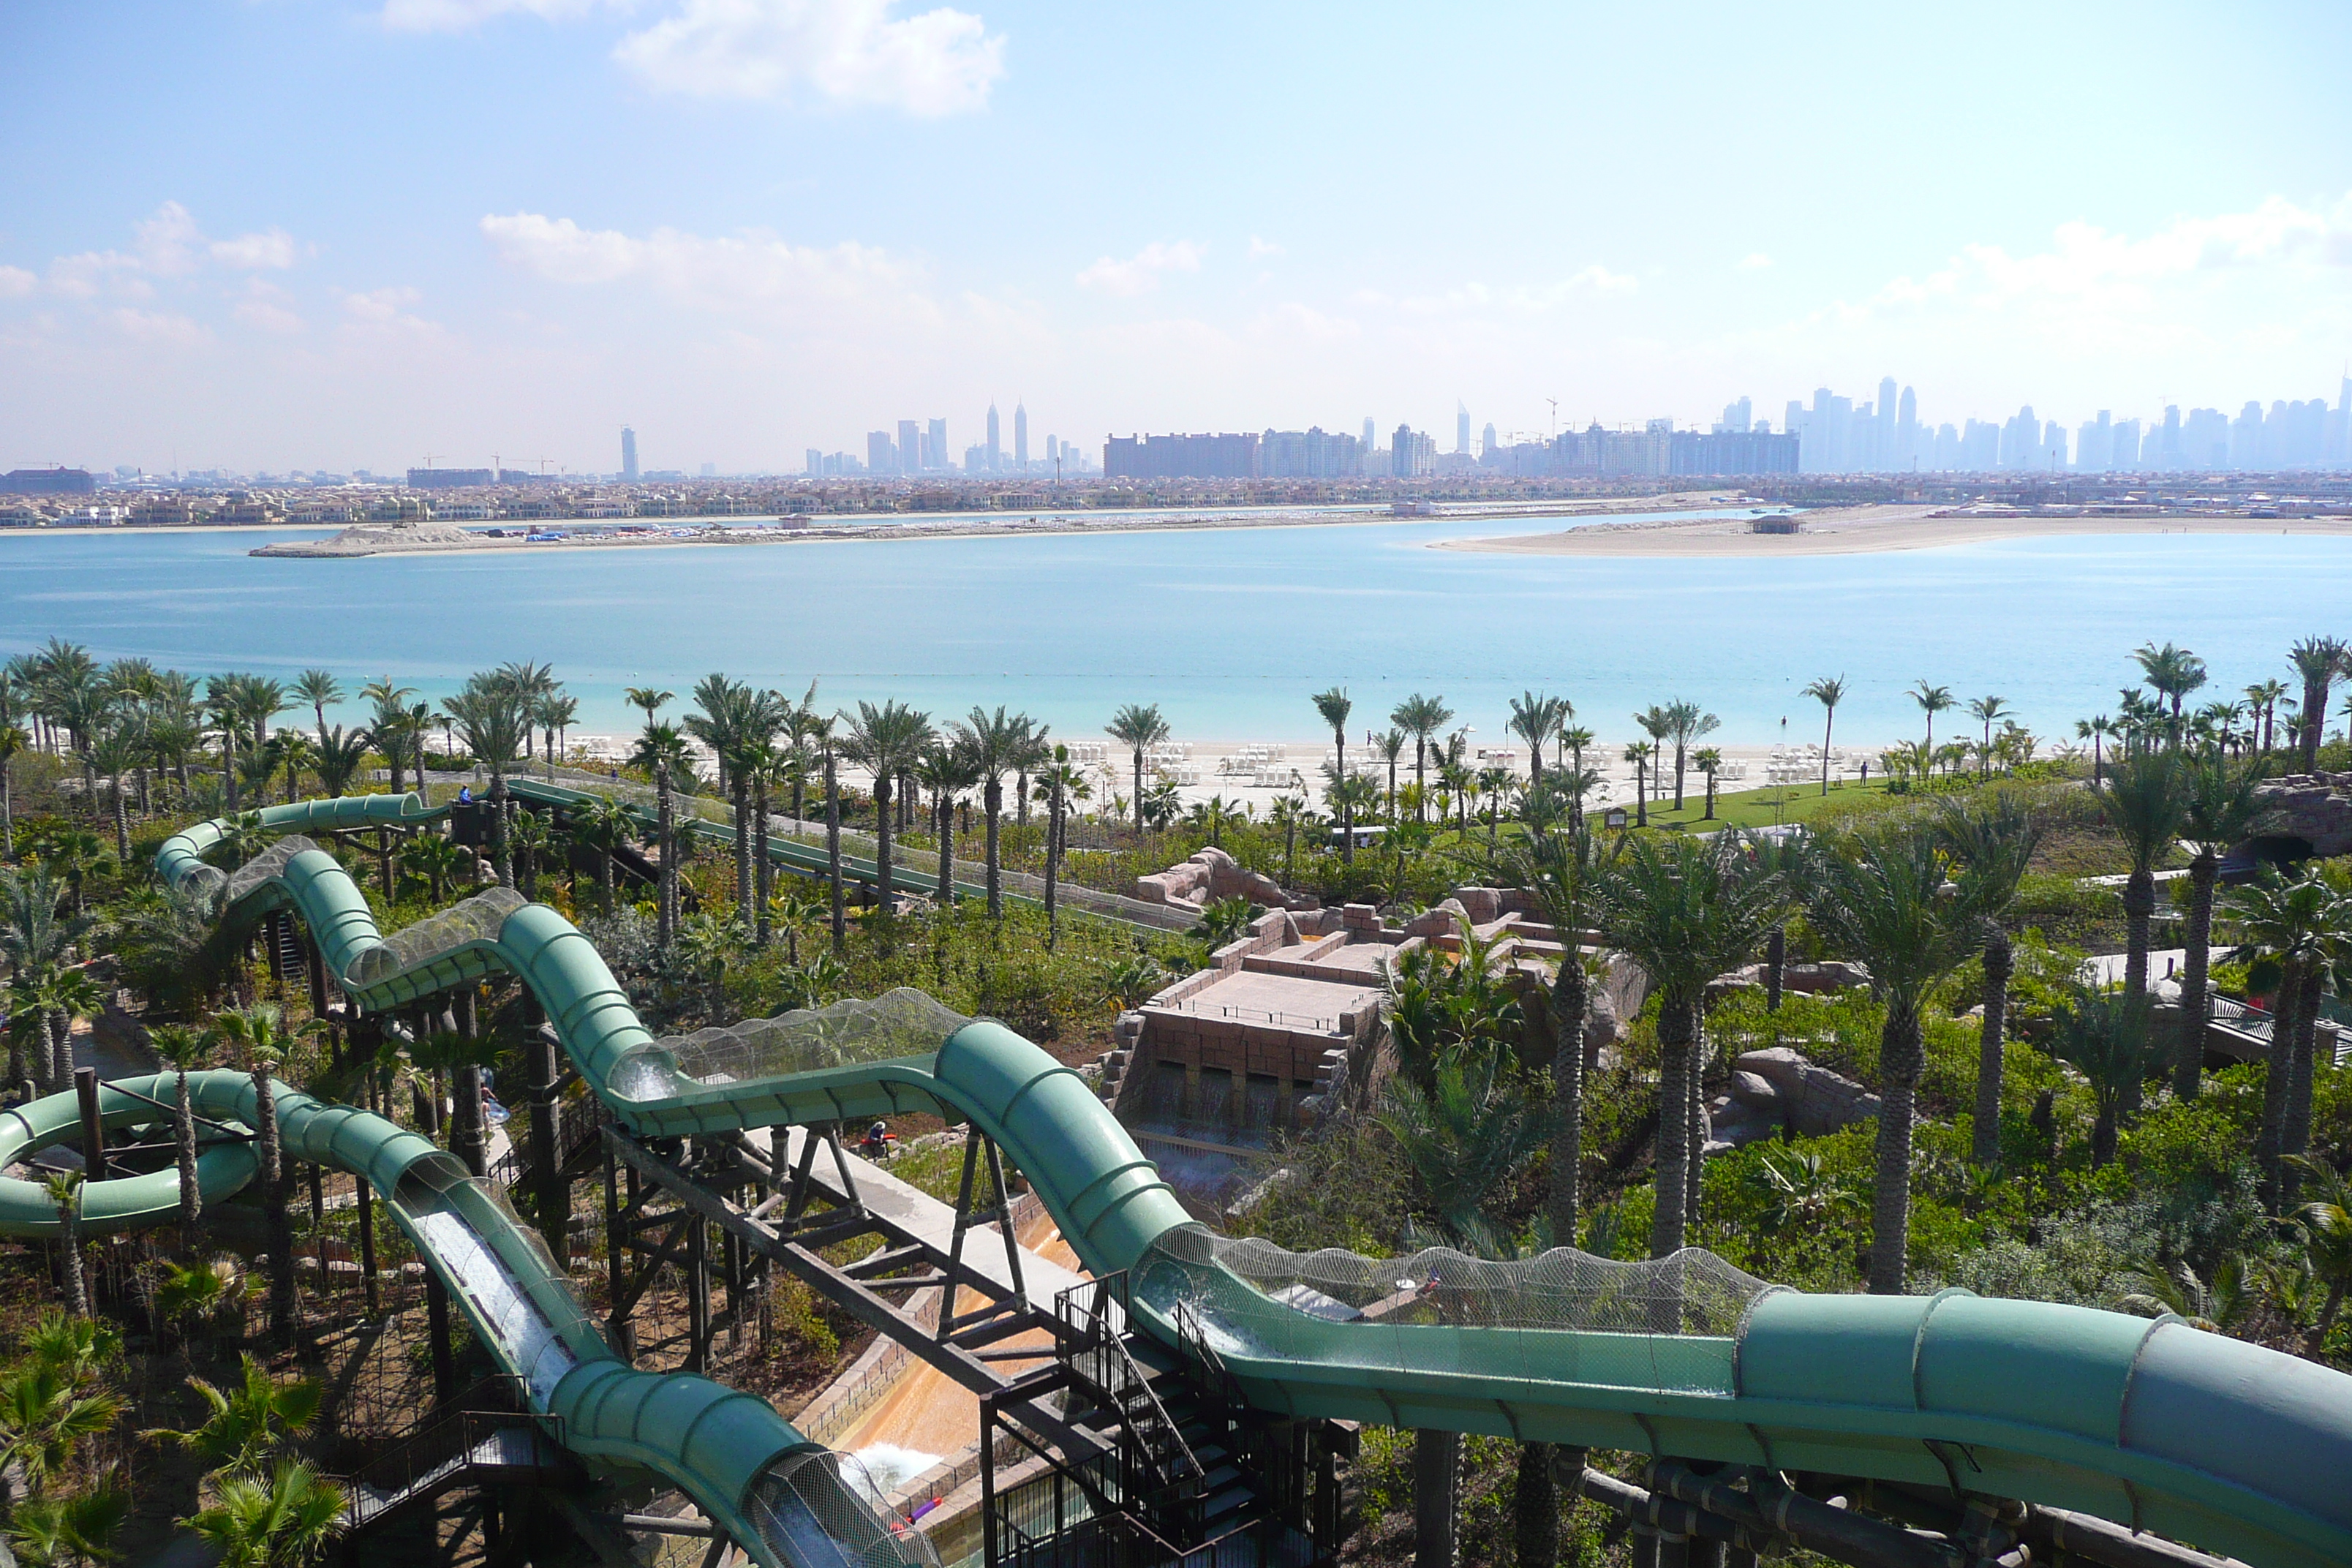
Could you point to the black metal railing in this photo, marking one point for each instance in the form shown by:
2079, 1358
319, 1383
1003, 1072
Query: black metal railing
1157, 1466
488, 1428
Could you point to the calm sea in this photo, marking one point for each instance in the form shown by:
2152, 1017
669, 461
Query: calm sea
1228, 631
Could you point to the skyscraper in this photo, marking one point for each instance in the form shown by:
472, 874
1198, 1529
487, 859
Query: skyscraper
1486, 449
815, 461
996, 451
1883, 457
1372, 436
881, 458
628, 456
1906, 432
935, 458
1461, 428
1020, 438
910, 447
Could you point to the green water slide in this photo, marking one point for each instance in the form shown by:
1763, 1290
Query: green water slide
2151, 1423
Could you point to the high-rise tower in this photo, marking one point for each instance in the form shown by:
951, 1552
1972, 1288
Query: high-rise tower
995, 452
1021, 437
628, 456
1461, 428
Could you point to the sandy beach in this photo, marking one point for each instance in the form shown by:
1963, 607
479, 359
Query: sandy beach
1858, 530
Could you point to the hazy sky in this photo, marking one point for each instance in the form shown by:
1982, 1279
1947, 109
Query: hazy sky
278, 232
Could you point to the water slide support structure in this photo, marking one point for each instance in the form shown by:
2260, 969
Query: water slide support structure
2012, 1413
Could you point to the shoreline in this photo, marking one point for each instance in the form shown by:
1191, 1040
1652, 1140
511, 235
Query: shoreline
1869, 530
964, 525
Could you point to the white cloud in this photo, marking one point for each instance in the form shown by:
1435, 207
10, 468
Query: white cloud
941, 61
1483, 298
1754, 261
272, 248
1140, 273
160, 327
16, 281
1263, 247
728, 273
460, 16
265, 309
168, 243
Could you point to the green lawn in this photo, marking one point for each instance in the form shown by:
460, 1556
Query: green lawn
1757, 807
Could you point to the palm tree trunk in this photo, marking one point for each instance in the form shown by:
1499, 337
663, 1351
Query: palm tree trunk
882, 834
498, 856
1829, 722
1570, 1000
228, 768
833, 853
1900, 1059
947, 850
121, 825
1695, 1102
191, 1201
762, 927
1677, 1027
1999, 961
1138, 791
61, 1062
2278, 1075
2140, 909
1776, 967
1053, 862
272, 1185
2189, 1060
665, 881
1436, 1496
2315, 720
1535, 1510
466, 1139
70, 1256
2294, 1130
992, 800
740, 787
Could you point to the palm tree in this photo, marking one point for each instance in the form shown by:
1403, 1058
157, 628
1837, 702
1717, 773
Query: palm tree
1685, 722
1883, 898
1139, 727
258, 1033
2325, 1222
185, 1050
492, 715
1465, 1139
1558, 872
48, 1407
1932, 701
286, 1522
1985, 710
1994, 839
602, 824
54, 1533
2103, 1034
886, 741
2144, 801
739, 725
462, 1057
1686, 910
1333, 708
246, 1425
1708, 758
319, 687
2301, 930
2319, 660
1059, 784
64, 1189
1422, 718
1290, 813
554, 713
948, 766
2221, 804
1829, 690
14, 742
2263, 697
650, 699
997, 742
337, 758
2095, 730
661, 751
1534, 719
1390, 745
821, 733
1638, 754
113, 751
2173, 673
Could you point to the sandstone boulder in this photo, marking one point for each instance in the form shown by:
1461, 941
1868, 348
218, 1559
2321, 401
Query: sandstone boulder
1444, 919
1811, 1098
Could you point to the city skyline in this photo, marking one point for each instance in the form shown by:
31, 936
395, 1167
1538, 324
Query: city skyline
697, 223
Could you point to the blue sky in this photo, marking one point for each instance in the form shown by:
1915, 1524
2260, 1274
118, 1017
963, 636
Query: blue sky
282, 233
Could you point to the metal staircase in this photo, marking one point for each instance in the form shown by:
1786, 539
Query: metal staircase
476, 1445
1185, 1474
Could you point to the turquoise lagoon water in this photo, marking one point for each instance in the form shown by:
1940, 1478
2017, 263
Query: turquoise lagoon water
1227, 630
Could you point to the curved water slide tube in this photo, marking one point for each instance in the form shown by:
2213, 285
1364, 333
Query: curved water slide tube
2152, 1425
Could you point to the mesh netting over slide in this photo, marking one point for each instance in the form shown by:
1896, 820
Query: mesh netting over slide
1561, 1320
1694, 1292
819, 1507
263, 867
480, 918
901, 1023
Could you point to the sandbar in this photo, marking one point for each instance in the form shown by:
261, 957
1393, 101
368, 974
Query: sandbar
1847, 530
